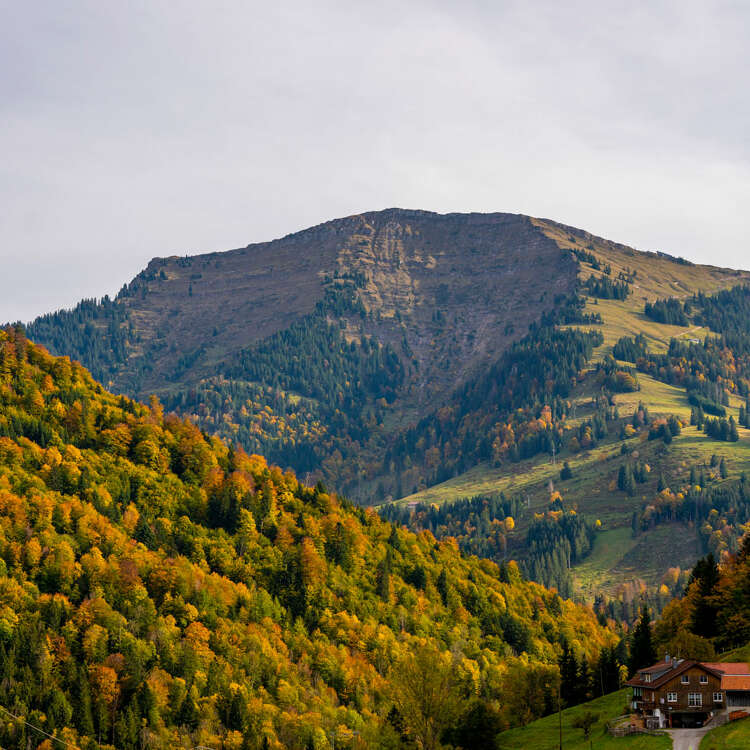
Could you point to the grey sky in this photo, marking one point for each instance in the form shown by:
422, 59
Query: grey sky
145, 128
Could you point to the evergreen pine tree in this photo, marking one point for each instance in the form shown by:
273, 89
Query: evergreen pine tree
144, 534
384, 577
706, 575
442, 586
568, 675
642, 651
84, 716
584, 682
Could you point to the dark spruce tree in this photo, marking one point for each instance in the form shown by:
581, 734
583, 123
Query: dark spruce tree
642, 651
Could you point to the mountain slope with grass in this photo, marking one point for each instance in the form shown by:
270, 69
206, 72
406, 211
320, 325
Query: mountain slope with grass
161, 589
651, 505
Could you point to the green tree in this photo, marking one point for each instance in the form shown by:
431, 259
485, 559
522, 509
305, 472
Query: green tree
642, 651
585, 721
705, 577
426, 696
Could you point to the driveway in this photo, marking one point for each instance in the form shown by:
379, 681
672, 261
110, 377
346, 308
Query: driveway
688, 739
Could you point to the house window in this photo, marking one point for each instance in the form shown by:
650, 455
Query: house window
637, 692
671, 697
685, 679
647, 677
704, 679
718, 697
695, 699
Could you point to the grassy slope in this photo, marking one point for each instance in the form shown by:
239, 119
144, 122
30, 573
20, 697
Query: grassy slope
617, 556
543, 734
729, 737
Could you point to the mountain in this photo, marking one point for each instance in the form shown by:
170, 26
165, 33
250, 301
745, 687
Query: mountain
497, 366
161, 589
342, 333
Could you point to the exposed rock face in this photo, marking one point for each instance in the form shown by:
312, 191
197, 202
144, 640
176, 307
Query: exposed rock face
457, 288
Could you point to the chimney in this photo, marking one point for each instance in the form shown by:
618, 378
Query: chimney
666, 658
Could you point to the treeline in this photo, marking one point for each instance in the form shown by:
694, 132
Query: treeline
721, 429
671, 311
555, 541
569, 310
312, 358
604, 288
98, 333
480, 524
726, 312
305, 396
630, 349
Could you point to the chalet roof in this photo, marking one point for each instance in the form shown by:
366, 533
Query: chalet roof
735, 682
669, 670
660, 666
729, 667
733, 675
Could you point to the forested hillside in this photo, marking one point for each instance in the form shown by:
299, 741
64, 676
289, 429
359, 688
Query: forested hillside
409, 357
161, 589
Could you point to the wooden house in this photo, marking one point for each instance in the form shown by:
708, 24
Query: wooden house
688, 693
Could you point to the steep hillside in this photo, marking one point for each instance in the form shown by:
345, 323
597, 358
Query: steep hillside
544, 734
317, 347
160, 589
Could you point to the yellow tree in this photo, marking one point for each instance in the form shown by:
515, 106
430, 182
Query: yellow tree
426, 695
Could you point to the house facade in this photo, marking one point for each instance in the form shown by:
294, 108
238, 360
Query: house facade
687, 693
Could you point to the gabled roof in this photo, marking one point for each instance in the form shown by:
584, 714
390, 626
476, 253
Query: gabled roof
729, 667
733, 675
660, 666
667, 672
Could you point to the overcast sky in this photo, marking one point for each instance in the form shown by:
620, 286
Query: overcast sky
131, 130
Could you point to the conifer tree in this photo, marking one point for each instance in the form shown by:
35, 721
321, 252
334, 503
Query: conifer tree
642, 651
384, 577
568, 676
706, 574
